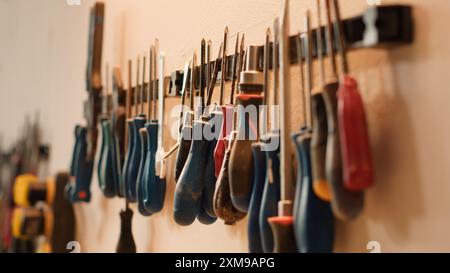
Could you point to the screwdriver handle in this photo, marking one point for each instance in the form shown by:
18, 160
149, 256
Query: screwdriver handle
155, 186
188, 192
79, 190
183, 150
223, 207
271, 194
204, 217
283, 234
356, 151
118, 146
141, 185
126, 242
319, 147
313, 219
105, 164
209, 179
254, 237
227, 126
135, 159
241, 160
125, 186
346, 205
77, 130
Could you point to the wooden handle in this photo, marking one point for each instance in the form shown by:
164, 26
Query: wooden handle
227, 126
241, 160
283, 234
346, 205
223, 207
314, 222
354, 136
319, 147
254, 237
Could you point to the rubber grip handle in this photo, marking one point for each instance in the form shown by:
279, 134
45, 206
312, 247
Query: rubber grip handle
126, 242
105, 164
241, 160
313, 219
319, 147
125, 186
254, 236
142, 174
183, 150
223, 207
271, 194
283, 234
354, 136
135, 159
346, 205
75, 150
188, 191
209, 180
79, 190
227, 126
154, 186
204, 218
117, 147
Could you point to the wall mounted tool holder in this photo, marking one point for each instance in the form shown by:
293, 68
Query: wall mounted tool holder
378, 27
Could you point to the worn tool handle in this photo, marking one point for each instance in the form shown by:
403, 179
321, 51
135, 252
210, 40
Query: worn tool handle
241, 160
106, 178
118, 147
125, 186
188, 192
271, 194
319, 147
313, 219
126, 241
254, 236
79, 190
346, 205
135, 159
354, 136
183, 150
155, 186
204, 217
209, 180
223, 207
141, 187
283, 234
227, 126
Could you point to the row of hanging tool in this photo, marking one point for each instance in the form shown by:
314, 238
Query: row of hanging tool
230, 160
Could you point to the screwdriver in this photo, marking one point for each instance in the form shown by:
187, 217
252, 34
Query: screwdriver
105, 161
126, 242
156, 183
188, 191
141, 180
271, 192
241, 160
223, 206
260, 170
214, 120
319, 130
227, 112
313, 219
185, 128
131, 98
118, 119
345, 204
282, 225
356, 151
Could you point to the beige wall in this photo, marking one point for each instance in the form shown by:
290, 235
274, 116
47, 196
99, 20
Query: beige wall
406, 90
